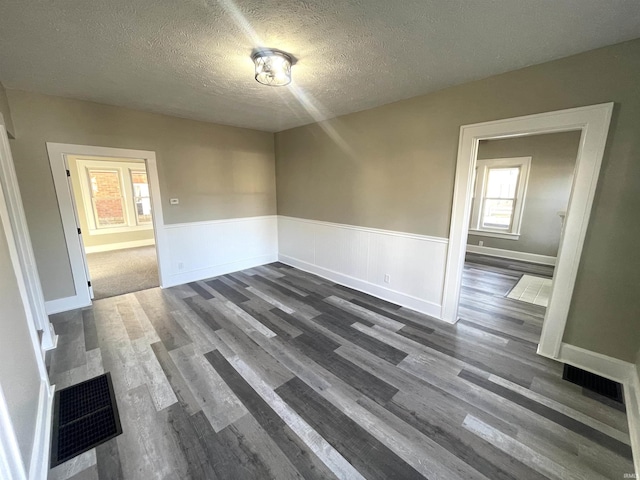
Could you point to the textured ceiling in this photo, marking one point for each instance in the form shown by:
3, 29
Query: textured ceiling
191, 58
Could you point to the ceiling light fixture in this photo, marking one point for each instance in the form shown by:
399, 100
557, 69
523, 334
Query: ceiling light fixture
273, 67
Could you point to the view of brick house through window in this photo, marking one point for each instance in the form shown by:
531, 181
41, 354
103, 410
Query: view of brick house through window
115, 195
106, 193
141, 197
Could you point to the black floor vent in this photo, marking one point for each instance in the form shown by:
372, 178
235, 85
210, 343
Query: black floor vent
600, 385
84, 416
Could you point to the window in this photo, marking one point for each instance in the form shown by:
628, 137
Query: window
115, 196
499, 189
141, 197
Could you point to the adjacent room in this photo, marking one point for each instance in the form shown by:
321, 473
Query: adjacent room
520, 195
113, 207
319, 240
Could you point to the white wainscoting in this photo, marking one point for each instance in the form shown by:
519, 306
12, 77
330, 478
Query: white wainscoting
199, 250
360, 257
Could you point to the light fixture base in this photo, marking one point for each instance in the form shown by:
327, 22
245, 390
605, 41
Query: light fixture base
273, 67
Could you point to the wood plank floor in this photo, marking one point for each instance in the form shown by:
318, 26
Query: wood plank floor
276, 373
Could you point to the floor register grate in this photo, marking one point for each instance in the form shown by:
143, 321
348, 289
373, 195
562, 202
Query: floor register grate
595, 383
84, 416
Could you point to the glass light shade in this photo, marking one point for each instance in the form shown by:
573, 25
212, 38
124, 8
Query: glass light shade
272, 68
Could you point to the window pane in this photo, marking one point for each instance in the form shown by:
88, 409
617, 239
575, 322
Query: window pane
497, 213
502, 182
141, 197
107, 198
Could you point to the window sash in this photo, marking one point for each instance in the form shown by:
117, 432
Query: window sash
140, 199
480, 199
483, 216
91, 173
128, 199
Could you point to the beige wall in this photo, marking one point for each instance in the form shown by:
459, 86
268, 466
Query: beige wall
104, 239
216, 171
19, 375
5, 111
553, 159
399, 169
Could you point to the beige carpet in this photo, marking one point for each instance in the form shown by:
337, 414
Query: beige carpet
123, 271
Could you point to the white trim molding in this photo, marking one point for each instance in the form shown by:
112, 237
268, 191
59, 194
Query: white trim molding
626, 373
39, 465
512, 254
21, 247
403, 268
65, 304
603, 365
108, 247
593, 121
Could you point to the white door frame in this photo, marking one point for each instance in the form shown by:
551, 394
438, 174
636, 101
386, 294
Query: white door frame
593, 121
57, 159
28, 278
11, 461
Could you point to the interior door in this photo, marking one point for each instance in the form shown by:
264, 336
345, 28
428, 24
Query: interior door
75, 215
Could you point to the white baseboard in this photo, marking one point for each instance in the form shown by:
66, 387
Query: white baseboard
603, 365
65, 304
214, 271
39, 465
119, 246
393, 296
512, 255
628, 374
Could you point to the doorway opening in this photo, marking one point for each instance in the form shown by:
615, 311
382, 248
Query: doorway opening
112, 219
520, 195
592, 123
113, 206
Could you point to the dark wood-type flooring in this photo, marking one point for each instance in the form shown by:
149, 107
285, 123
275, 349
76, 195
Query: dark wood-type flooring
276, 373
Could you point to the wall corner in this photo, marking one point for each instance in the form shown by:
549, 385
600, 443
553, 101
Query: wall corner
5, 112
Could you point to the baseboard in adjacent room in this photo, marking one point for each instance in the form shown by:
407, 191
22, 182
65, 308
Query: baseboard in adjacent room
119, 246
512, 255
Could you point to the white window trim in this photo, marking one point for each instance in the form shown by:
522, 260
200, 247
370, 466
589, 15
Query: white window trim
521, 192
125, 169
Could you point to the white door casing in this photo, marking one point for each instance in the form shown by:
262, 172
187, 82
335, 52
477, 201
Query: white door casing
28, 277
57, 159
12, 465
593, 121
